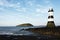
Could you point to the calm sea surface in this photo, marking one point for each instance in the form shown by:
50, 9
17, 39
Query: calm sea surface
12, 30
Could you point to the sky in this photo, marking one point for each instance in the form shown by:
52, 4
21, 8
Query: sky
14, 12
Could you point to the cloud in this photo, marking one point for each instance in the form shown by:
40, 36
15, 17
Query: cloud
5, 3
38, 10
2, 9
21, 9
47, 1
30, 3
1, 2
16, 6
41, 9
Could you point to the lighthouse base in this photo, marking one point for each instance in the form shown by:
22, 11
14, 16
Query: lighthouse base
51, 24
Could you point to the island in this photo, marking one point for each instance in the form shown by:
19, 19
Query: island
25, 24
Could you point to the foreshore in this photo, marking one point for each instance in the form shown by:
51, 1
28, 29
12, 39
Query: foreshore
50, 32
25, 37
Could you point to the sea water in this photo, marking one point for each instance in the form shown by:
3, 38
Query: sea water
13, 30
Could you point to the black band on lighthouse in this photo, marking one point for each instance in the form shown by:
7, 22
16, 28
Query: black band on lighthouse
50, 17
50, 21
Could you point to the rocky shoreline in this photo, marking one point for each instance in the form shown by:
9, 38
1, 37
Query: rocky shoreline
50, 32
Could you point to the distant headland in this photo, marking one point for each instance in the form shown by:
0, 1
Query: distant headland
25, 24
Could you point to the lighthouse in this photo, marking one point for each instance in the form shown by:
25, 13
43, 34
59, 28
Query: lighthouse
50, 22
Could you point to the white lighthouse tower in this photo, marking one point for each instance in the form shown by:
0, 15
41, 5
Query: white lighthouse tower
50, 23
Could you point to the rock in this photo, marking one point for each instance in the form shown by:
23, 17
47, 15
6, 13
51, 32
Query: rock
55, 32
25, 24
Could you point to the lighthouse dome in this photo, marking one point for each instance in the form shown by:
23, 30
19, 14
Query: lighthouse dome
51, 10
